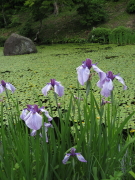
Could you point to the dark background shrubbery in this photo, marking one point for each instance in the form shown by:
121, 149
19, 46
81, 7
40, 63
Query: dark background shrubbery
92, 13
120, 35
2, 41
2, 23
26, 29
77, 21
131, 6
99, 35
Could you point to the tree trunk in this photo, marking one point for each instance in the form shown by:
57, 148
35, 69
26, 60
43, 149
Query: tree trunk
56, 8
39, 30
3, 14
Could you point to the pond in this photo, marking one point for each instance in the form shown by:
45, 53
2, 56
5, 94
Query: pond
31, 72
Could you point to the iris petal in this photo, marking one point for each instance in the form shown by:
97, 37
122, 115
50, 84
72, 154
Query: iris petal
23, 114
72, 151
27, 116
1, 88
83, 74
10, 87
107, 88
96, 68
121, 80
34, 121
80, 157
66, 158
33, 133
59, 89
102, 76
46, 114
46, 89
48, 125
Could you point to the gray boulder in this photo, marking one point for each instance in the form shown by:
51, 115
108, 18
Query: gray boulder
17, 45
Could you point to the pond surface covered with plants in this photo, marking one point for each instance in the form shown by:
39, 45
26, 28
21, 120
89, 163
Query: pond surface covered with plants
30, 73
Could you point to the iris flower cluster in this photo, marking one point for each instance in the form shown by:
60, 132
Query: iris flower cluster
106, 79
72, 154
33, 119
83, 71
32, 115
58, 88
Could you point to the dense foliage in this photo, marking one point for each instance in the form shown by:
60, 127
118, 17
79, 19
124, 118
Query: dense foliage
89, 13
113, 0
8, 8
100, 35
26, 29
131, 6
120, 35
40, 9
92, 12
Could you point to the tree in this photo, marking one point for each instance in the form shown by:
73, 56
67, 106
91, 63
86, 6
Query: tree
3, 5
61, 3
40, 9
91, 11
7, 8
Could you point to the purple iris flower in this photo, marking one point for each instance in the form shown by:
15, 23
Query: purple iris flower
106, 82
46, 126
72, 153
4, 85
31, 116
103, 102
83, 71
58, 88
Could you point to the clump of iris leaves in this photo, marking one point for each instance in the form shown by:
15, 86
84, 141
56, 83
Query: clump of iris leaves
94, 130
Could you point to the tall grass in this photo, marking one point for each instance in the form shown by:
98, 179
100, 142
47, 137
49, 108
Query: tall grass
122, 39
120, 35
96, 134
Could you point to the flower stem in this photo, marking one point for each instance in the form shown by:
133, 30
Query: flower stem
88, 87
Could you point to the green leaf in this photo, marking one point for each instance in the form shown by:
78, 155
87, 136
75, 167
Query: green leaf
132, 173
